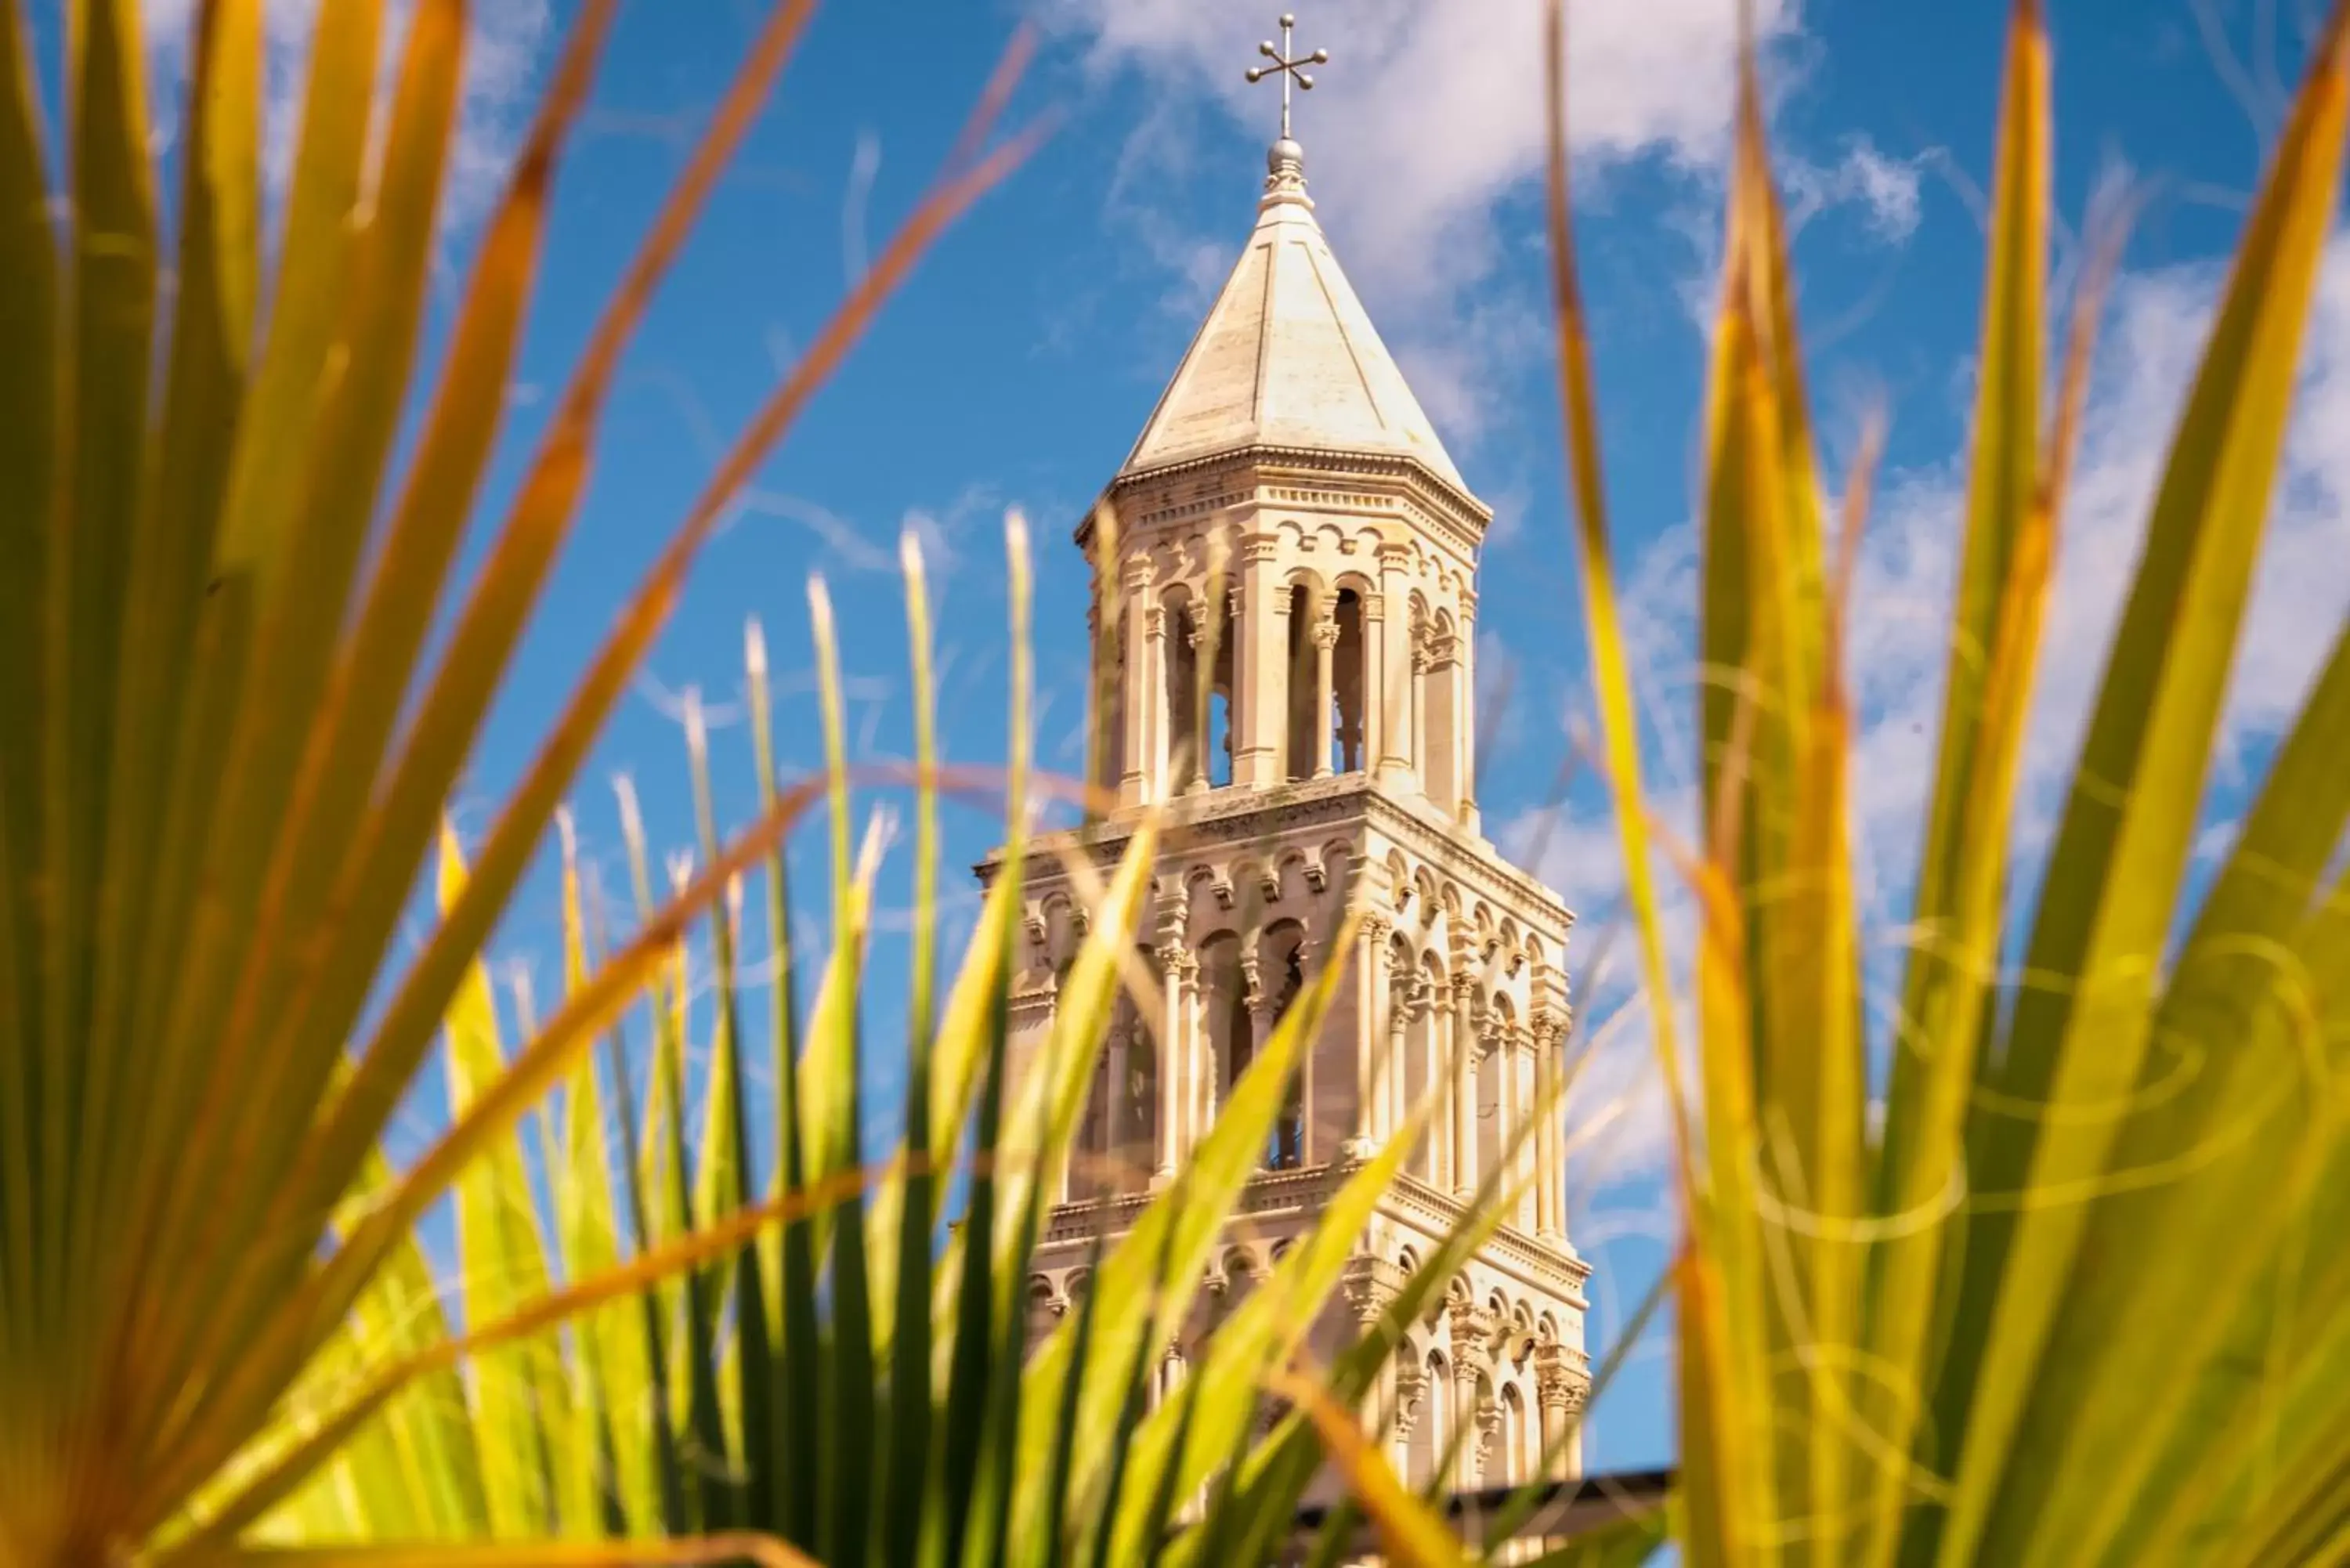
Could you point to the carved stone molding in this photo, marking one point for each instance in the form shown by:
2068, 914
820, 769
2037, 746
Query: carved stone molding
1473, 1337
1411, 1386
1561, 1379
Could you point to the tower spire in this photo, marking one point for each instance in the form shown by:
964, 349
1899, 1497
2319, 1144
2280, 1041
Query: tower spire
1286, 163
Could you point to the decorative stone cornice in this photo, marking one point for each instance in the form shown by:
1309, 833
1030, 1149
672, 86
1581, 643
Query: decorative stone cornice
1452, 508
1543, 1264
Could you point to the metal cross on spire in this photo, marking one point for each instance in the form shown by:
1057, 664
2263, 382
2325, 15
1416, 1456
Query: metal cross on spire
1285, 65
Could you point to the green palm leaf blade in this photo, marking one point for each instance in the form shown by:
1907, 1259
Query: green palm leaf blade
902, 1319
2113, 874
2261, 1435
94, 515
419, 1472
609, 1343
362, 387
789, 1398
202, 798
1260, 1337
2217, 1156
1168, 1250
521, 1393
2002, 591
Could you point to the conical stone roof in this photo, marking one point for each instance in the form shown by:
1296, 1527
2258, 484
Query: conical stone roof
1288, 356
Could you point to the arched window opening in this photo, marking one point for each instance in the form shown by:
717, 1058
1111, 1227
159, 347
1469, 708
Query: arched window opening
1423, 1071
1440, 722
1138, 1125
1434, 1427
1240, 1032
1182, 671
1307, 692
1109, 698
1350, 684
1281, 959
1493, 1062
1518, 1458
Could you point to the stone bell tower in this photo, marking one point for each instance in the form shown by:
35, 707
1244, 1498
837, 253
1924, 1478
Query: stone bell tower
1284, 655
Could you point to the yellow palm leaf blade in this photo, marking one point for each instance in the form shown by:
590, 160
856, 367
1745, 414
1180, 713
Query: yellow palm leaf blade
1611, 679
388, 1380
29, 346
2112, 875
2220, 1164
1410, 1533
285, 1338
1994, 642
501, 1260
610, 1344
255, 1101
669, 1551
93, 517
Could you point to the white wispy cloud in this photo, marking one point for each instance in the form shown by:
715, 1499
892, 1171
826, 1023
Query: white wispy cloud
1424, 127
506, 44
2154, 335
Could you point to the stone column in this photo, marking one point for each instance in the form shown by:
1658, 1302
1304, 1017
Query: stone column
1399, 1042
1562, 1389
1201, 633
1422, 663
1550, 1212
1174, 957
1111, 1178
1472, 1357
1190, 1054
1528, 1168
1261, 665
1307, 1051
1139, 765
1370, 995
1432, 1012
1464, 1084
1464, 710
1492, 1459
1150, 722
1367, 1296
1326, 643
1412, 1387
1394, 661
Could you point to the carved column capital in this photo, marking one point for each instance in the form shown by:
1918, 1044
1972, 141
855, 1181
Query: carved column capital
1472, 1338
1559, 1383
1325, 633
1252, 982
1411, 1386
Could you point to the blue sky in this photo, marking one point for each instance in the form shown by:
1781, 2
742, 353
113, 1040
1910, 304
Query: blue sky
1020, 363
